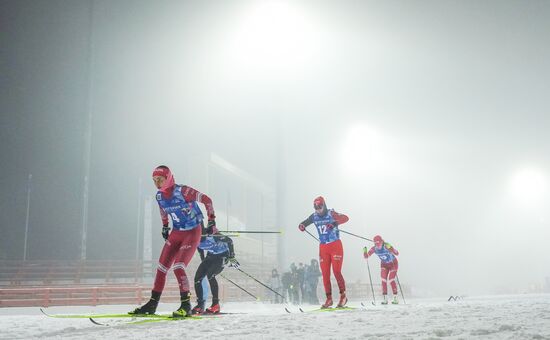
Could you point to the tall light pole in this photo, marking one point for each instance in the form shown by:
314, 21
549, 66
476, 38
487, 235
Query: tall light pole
88, 134
139, 221
27, 217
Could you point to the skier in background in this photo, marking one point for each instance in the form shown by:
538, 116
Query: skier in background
331, 252
312, 279
219, 249
286, 283
180, 203
388, 265
301, 271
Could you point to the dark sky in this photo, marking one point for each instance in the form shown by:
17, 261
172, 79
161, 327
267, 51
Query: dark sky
44, 94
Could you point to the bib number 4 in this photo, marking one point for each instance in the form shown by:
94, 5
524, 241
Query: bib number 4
174, 217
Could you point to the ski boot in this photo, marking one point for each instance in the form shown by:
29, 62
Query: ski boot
328, 303
185, 307
150, 307
215, 308
395, 301
199, 308
343, 300
385, 300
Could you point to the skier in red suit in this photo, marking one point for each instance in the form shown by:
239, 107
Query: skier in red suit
179, 204
388, 265
331, 252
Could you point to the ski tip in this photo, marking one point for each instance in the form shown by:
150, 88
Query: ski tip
286, 309
301, 310
97, 323
44, 312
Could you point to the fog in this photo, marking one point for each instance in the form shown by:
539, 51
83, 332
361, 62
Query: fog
425, 122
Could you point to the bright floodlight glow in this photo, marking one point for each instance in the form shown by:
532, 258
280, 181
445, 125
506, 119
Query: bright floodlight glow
361, 150
528, 187
271, 36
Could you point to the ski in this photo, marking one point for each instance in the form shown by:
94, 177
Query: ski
216, 314
142, 321
289, 310
372, 303
100, 316
331, 309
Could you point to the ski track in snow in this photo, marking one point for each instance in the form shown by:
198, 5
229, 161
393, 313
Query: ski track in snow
495, 317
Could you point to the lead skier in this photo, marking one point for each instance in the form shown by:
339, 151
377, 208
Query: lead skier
179, 202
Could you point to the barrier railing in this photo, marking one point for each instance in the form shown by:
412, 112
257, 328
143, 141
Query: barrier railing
55, 283
74, 296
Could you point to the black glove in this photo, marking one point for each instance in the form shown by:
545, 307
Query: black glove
231, 261
165, 231
211, 229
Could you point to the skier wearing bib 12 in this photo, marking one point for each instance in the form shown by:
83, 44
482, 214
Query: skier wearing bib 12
331, 252
220, 251
180, 203
388, 265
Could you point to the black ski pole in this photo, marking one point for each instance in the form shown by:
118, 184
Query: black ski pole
361, 237
310, 234
241, 288
399, 283
253, 278
371, 287
250, 232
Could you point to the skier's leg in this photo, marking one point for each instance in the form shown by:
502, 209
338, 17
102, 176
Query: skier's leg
186, 250
214, 269
384, 275
188, 246
391, 277
166, 259
199, 276
337, 262
325, 264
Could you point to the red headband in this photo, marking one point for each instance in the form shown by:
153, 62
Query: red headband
161, 172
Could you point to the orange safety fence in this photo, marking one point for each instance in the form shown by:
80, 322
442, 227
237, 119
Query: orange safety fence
74, 296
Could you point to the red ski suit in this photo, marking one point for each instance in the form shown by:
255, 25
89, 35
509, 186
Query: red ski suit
388, 265
182, 242
331, 252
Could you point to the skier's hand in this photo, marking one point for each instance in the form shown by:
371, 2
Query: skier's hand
232, 262
302, 227
165, 232
366, 252
332, 225
211, 227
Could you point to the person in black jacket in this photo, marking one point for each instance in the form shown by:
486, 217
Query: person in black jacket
312, 278
219, 249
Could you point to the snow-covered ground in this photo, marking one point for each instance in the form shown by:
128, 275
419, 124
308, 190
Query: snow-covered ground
495, 317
